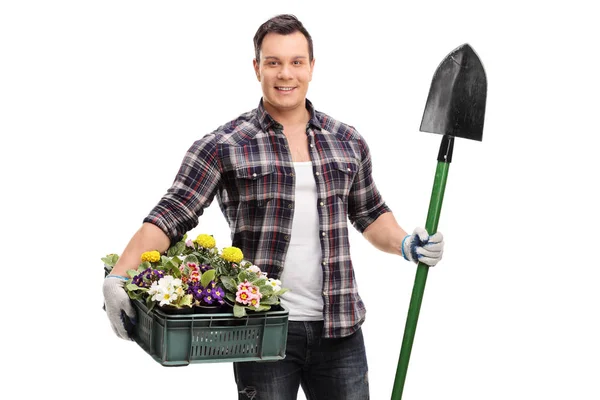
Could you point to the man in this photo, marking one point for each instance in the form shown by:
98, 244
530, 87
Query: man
287, 179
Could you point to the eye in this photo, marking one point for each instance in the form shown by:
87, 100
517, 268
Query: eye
297, 62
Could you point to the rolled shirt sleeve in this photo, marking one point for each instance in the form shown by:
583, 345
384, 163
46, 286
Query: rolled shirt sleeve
193, 189
365, 203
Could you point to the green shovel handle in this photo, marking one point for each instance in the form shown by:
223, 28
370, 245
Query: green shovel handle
433, 217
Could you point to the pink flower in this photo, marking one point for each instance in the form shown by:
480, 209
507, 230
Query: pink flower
243, 296
244, 285
195, 276
189, 243
255, 302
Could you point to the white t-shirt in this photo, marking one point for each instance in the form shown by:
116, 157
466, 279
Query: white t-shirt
302, 272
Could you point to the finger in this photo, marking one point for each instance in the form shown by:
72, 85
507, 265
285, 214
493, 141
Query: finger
431, 261
425, 251
436, 247
422, 234
436, 238
128, 308
118, 327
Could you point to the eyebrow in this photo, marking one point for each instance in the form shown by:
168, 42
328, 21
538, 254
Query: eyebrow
277, 58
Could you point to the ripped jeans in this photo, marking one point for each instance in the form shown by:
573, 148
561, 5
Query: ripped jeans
327, 369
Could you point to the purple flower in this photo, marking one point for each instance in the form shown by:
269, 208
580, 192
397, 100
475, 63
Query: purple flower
219, 293
205, 267
146, 277
196, 290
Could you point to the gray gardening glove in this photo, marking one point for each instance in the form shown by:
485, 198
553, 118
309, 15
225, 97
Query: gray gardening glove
119, 310
420, 247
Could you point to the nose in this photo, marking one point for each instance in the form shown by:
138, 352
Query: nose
285, 72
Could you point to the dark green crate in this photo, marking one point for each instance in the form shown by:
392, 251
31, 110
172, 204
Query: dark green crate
176, 340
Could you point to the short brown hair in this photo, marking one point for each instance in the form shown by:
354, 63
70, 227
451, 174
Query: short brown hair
284, 24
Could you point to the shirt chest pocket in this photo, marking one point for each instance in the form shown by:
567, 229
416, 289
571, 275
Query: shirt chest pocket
342, 176
256, 183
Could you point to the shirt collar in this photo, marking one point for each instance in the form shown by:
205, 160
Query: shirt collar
266, 121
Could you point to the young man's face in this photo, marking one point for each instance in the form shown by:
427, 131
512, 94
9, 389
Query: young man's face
284, 71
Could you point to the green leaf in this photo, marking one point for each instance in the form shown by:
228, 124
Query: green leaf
131, 287
266, 290
186, 300
245, 275
110, 259
281, 291
172, 251
131, 273
229, 283
144, 265
207, 277
150, 303
271, 300
261, 282
239, 311
173, 268
262, 307
230, 297
177, 260
176, 249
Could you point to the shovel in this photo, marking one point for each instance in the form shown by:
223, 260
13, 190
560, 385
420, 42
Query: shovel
455, 108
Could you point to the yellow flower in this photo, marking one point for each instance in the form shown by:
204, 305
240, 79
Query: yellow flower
152, 256
232, 254
206, 241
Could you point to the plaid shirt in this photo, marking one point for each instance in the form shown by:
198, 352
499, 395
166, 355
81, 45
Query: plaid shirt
247, 164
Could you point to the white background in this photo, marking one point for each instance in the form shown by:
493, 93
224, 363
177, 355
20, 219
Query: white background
99, 100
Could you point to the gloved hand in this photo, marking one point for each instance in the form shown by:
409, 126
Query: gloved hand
117, 304
424, 248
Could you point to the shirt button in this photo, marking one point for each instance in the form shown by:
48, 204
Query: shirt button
317, 173
324, 263
312, 145
292, 174
254, 175
349, 170
287, 237
323, 233
290, 205
322, 204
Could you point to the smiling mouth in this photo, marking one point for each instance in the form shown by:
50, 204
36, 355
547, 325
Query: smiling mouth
284, 88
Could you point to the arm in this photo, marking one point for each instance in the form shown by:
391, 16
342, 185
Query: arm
149, 237
385, 234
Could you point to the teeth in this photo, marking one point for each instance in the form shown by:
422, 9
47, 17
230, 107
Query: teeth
285, 88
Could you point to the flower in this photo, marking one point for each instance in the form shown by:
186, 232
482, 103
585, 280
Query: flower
275, 284
196, 273
151, 256
206, 241
232, 254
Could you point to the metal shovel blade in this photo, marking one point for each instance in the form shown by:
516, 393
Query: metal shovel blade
456, 102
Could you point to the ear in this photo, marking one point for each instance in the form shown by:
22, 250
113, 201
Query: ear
256, 69
312, 67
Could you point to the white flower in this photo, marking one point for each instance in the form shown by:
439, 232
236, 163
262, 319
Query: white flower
166, 290
275, 284
255, 269
179, 291
165, 298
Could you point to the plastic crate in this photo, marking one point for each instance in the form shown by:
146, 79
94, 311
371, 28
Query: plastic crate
177, 340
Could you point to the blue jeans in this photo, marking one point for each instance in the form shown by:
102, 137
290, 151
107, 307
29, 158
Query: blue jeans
327, 369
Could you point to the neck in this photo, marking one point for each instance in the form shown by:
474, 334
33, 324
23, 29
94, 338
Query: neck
295, 116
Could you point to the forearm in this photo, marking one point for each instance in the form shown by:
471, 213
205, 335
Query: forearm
149, 237
386, 234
